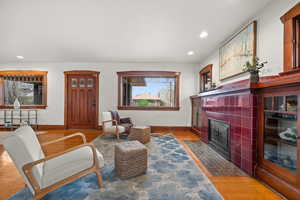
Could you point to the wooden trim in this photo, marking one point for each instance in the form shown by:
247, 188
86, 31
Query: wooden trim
293, 12
206, 69
23, 73
291, 43
254, 47
169, 128
149, 74
280, 185
50, 127
65, 138
81, 72
41, 192
148, 108
1, 92
24, 107
26, 73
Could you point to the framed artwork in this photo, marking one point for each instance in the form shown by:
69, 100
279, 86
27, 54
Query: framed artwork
237, 51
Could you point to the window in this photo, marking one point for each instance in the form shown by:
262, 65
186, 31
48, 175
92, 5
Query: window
291, 21
30, 87
206, 78
148, 90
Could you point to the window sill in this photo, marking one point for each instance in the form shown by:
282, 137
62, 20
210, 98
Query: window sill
24, 107
148, 108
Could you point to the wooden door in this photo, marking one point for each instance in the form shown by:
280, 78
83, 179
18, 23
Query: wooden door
81, 99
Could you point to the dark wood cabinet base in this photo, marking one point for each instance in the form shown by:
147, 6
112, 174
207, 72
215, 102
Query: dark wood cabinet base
278, 184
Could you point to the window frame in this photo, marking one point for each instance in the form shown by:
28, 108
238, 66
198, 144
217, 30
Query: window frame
24, 73
206, 70
291, 21
175, 75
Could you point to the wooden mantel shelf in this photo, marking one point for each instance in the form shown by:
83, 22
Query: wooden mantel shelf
245, 85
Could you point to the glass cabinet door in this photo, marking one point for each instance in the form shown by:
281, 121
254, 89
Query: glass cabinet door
281, 132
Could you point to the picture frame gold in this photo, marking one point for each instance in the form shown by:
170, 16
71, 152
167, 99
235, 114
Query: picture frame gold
239, 49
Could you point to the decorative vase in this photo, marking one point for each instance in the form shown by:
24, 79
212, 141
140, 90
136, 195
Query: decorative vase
17, 104
254, 77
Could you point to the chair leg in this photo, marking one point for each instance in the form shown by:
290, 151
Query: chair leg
99, 177
38, 196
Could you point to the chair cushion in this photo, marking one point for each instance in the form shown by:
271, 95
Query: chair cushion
126, 120
127, 126
105, 117
112, 129
68, 164
28, 150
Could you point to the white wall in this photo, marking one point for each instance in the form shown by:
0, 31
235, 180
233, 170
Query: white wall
54, 114
269, 41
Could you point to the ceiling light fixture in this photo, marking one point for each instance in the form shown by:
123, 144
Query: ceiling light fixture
203, 34
20, 57
191, 53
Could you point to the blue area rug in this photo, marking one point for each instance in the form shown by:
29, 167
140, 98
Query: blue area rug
171, 175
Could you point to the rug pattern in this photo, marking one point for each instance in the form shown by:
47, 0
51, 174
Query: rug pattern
171, 175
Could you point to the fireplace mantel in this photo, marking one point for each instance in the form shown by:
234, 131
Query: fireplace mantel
283, 79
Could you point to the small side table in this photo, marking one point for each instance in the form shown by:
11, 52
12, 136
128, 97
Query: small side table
140, 133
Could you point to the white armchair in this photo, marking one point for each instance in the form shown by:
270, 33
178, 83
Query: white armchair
111, 126
43, 174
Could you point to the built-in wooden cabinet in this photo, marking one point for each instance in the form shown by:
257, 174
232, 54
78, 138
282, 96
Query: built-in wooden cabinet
278, 140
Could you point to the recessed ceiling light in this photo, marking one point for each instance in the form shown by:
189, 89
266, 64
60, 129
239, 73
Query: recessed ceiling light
191, 53
203, 34
20, 57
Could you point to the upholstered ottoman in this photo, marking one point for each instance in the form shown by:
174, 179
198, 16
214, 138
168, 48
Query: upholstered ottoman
140, 133
131, 159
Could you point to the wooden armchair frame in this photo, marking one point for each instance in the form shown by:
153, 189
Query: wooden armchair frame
41, 192
116, 124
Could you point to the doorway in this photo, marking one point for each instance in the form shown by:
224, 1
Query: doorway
81, 99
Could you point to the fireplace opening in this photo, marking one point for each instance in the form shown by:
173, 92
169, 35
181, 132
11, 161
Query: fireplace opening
219, 137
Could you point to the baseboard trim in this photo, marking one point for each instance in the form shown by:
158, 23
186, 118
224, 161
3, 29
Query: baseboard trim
153, 128
50, 127
40, 127
169, 128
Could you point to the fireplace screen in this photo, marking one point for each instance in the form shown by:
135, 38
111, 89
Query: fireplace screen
219, 137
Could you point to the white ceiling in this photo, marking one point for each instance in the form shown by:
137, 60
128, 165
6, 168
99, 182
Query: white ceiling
118, 30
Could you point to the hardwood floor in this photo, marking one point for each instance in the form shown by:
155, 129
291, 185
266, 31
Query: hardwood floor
231, 188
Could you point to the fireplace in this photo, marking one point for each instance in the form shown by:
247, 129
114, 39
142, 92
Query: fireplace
219, 137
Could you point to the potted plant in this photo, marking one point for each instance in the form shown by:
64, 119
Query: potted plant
254, 69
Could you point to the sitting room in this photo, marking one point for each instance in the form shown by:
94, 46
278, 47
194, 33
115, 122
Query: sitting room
150, 100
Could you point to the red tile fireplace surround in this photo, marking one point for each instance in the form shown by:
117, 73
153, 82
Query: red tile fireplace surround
238, 105
238, 109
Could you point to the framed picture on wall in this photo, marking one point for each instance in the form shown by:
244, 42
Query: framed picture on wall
237, 51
